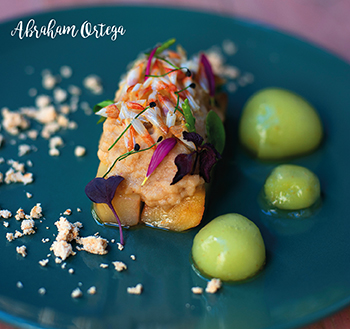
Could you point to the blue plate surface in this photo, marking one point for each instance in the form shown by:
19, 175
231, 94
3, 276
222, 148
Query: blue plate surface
308, 264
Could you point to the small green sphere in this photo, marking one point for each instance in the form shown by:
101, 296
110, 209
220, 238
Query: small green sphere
230, 248
277, 123
292, 187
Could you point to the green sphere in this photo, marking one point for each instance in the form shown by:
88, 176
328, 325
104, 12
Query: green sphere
292, 187
277, 123
230, 248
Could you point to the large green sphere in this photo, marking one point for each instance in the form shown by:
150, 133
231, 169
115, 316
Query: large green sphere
230, 248
292, 187
277, 123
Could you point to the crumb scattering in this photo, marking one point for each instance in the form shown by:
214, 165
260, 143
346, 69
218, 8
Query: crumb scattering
79, 151
137, 290
213, 286
103, 265
92, 290
197, 290
94, 244
119, 266
22, 250
43, 262
77, 293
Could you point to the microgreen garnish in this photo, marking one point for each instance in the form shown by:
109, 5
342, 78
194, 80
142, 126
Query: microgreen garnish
190, 119
192, 85
209, 74
215, 131
159, 154
125, 155
101, 190
165, 74
165, 45
100, 106
127, 127
201, 160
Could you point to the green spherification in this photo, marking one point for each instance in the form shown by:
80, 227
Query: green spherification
230, 248
292, 187
277, 123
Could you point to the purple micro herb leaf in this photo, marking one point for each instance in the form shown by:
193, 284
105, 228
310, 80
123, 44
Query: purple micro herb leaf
148, 68
193, 137
184, 163
159, 154
209, 74
205, 154
101, 190
208, 157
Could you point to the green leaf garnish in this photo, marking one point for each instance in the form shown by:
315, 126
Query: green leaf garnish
164, 46
100, 106
215, 131
190, 119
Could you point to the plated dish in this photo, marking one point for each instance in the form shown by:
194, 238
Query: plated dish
306, 274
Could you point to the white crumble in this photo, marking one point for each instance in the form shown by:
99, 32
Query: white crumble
133, 257
6, 224
93, 83
67, 212
5, 213
42, 291
79, 151
92, 290
59, 95
119, 266
78, 210
76, 293
137, 290
120, 246
18, 234
29, 195
197, 290
13, 122
27, 226
71, 271
213, 286
66, 71
22, 250
49, 81
10, 237
20, 214
54, 152
62, 249
29, 163
102, 265
63, 266
94, 245
19, 284
43, 262
36, 211
42, 101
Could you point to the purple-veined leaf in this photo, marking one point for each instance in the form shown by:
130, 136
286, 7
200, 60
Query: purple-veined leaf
207, 158
184, 163
209, 74
148, 68
163, 148
193, 137
101, 190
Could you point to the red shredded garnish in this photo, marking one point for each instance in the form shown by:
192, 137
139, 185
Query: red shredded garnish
148, 68
209, 74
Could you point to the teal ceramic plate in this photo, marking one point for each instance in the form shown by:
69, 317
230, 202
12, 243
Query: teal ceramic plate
307, 272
